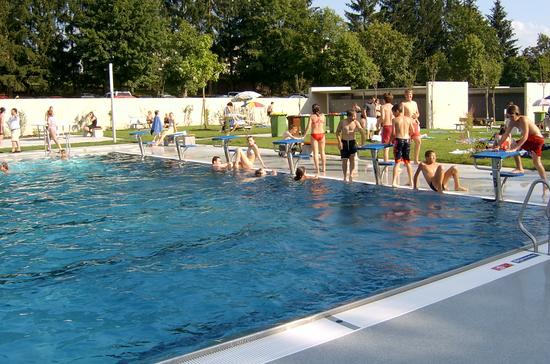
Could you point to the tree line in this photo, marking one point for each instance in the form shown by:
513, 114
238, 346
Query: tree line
180, 47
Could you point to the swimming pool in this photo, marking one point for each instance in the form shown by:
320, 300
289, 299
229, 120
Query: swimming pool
110, 259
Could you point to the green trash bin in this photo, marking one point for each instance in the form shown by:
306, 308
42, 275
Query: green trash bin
333, 119
539, 116
304, 119
278, 124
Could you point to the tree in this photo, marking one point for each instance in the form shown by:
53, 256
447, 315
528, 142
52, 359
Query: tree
515, 72
338, 68
504, 30
362, 14
188, 61
539, 58
128, 33
391, 52
468, 60
31, 41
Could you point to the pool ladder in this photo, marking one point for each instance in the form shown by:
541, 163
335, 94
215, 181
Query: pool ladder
546, 212
48, 142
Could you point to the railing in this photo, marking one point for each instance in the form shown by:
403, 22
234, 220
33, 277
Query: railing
546, 212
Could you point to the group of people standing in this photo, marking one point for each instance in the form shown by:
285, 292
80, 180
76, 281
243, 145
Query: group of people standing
373, 116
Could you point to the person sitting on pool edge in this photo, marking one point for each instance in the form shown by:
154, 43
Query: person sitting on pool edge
435, 176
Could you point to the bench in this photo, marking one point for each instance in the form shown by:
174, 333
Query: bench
461, 125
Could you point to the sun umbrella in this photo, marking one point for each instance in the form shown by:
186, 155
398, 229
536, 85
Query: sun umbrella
253, 104
542, 102
245, 96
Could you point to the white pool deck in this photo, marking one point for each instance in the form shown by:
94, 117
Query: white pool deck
476, 315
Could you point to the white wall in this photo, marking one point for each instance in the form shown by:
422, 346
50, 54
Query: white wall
533, 92
446, 102
69, 111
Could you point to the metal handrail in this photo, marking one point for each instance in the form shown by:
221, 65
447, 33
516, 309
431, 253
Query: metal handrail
546, 212
68, 142
47, 142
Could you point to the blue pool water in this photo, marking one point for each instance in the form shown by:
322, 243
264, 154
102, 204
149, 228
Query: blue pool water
110, 259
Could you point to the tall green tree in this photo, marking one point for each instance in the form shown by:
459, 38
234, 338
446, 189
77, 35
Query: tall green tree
361, 15
345, 62
128, 33
538, 57
32, 40
504, 30
391, 52
188, 62
516, 72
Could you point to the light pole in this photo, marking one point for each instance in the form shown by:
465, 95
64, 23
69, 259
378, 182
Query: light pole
112, 101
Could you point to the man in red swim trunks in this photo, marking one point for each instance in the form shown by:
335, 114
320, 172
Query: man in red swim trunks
531, 139
385, 123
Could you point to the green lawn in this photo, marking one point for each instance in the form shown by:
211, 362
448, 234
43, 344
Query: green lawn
442, 141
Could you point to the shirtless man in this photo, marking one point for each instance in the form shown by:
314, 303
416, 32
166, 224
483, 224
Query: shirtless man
410, 109
531, 139
253, 151
385, 123
402, 127
4, 167
345, 134
434, 175
317, 125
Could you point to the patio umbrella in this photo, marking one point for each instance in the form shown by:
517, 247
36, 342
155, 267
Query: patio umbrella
245, 96
542, 102
253, 104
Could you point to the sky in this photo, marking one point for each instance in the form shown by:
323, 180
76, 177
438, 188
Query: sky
528, 17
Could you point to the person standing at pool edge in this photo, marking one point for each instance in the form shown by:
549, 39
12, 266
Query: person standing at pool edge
317, 125
385, 123
2, 112
345, 134
410, 109
15, 129
531, 139
402, 129
51, 125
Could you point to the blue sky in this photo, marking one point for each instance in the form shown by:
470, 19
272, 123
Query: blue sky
528, 17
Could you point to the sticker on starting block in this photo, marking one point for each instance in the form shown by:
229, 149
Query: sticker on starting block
502, 266
524, 258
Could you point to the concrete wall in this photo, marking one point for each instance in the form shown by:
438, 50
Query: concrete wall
533, 92
128, 111
446, 103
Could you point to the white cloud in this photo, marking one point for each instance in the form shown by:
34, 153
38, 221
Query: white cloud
528, 32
